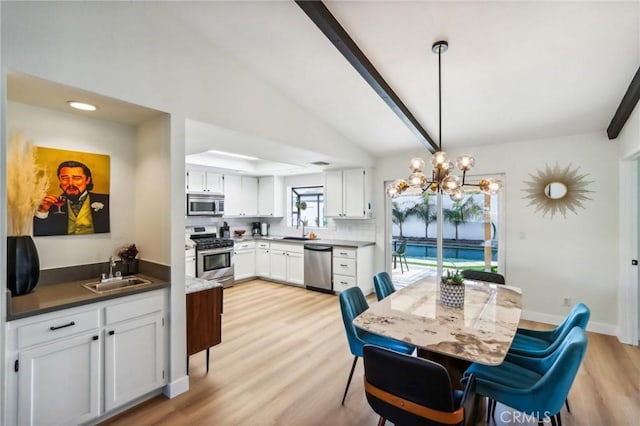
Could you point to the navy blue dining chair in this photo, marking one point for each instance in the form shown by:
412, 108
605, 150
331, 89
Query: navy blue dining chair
383, 285
535, 386
409, 390
352, 304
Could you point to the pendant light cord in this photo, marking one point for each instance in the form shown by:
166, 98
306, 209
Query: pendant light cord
439, 100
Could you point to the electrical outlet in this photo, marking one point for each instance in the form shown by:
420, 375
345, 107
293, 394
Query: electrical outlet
566, 301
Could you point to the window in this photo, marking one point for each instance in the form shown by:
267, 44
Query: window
310, 199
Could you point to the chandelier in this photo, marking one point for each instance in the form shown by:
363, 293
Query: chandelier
442, 179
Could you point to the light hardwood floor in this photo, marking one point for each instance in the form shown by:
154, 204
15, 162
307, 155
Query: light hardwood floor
284, 360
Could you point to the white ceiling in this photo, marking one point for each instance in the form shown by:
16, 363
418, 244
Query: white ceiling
514, 70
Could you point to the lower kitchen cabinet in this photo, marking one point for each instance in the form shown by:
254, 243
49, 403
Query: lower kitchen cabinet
57, 374
353, 267
286, 262
263, 269
244, 260
59, 383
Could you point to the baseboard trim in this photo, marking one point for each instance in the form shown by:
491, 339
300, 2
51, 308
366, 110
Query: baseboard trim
593, 326
177, 387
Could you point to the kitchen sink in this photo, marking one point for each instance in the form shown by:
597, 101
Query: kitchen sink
296, 238
115, 284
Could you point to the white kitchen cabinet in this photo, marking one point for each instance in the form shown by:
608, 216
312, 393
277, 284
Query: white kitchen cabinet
134, 361
59, 383
347, 193
244, 260
190, 262
204, 181
287, 263
241, 195
353, 267
263, 268
62, 366
271, 200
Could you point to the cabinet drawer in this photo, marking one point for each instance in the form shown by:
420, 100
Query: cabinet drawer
344, 252
248, 245
343, 282
55, 328
263, 245
134, 308
343, 266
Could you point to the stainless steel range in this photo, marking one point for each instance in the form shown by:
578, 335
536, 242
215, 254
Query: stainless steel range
214, 257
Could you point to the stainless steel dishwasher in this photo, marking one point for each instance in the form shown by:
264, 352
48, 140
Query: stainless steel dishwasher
318, 267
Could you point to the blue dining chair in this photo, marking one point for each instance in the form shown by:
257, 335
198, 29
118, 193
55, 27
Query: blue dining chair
540, 343
535, 386
352, 304
409, 390
383, 285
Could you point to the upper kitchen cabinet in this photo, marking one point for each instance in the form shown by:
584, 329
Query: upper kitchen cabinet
271, 196
203, 181
347, 193
241, 195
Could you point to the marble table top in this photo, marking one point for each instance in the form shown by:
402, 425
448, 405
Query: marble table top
481, 331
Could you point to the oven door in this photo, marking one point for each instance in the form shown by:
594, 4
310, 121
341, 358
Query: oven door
215, 264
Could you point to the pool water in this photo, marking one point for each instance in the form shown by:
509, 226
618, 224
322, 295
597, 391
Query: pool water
422, 251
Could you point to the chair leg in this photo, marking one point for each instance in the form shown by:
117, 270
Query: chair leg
559, 419
382, 421
394, 261
566, 402
406, 263
353, 367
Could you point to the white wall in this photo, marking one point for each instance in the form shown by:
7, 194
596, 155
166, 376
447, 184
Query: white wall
549, 259
54, 129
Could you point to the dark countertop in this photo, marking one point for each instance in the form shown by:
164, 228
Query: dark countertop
55, 297
318, 241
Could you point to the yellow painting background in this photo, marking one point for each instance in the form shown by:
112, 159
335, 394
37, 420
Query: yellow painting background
99, 164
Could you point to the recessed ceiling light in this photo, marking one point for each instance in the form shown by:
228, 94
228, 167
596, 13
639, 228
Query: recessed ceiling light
82, 106
231, 154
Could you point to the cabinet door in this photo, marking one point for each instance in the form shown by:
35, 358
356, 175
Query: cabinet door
213, 182
278, 264
266, 196
262, 263
333, 193
134, 359
295, 268
244, 264
59, 383
232, 195
353, 193
250, 195
195, 181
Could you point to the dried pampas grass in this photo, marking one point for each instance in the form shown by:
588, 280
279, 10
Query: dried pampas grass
27, 184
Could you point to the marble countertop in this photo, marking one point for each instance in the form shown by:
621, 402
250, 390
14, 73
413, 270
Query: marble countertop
192, 284
54, 297
481, 331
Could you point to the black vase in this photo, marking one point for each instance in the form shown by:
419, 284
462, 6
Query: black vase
23, 265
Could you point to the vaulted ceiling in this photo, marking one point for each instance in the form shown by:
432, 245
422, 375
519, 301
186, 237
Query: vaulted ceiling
514, 70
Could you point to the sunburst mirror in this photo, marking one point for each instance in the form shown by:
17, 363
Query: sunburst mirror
557, 190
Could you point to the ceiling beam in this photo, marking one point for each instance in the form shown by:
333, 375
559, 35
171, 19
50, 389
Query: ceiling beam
327, 23
629, 101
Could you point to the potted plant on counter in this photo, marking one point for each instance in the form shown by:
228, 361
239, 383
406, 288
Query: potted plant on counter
128, 256
452, 289
27, 183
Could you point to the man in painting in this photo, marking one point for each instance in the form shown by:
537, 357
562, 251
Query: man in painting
77, 210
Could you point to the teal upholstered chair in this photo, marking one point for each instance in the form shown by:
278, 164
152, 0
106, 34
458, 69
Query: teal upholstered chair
352, 304
536, 386
383, 285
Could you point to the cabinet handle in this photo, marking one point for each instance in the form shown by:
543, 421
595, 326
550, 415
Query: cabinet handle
343, 265
95, 337
343, 253
53, 328
112, 332
343, 282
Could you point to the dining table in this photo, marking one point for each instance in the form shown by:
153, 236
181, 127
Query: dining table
480, 331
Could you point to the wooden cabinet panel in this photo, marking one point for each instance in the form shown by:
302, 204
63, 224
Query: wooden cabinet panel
204, 321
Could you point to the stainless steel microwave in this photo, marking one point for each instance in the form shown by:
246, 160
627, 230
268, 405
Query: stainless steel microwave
205, 204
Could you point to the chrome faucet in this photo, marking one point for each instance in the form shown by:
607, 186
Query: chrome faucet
303, 233
112, 264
